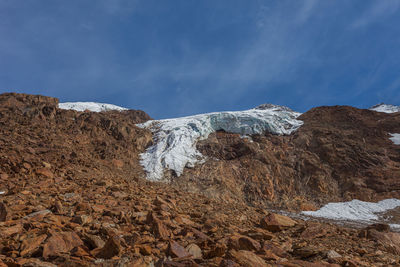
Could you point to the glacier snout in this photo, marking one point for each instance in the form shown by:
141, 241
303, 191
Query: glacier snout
175, 139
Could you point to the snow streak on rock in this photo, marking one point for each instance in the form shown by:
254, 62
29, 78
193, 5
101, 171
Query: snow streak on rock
385, 108
395, 138
354, 210
91, 106
175, 139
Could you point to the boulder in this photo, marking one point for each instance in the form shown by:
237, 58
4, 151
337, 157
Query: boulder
276, 222
247, 258
31, 245
111, 248
177, 251
60, 242
195, 251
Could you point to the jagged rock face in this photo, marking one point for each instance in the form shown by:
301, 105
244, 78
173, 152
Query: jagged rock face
340, 153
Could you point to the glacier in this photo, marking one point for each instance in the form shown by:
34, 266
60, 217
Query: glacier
91, 106
385, 108
175, 139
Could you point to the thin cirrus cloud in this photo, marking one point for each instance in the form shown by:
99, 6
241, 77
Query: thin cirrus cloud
375, 12
185, 57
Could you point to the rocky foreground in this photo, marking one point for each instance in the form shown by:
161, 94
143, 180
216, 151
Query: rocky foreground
72, 193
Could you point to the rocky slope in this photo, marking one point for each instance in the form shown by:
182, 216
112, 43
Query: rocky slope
339, 154
73, 192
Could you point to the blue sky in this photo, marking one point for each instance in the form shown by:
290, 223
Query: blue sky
181, 57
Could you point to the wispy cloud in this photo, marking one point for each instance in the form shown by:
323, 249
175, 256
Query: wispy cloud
271, 54
198, 56
376, 11
306, 10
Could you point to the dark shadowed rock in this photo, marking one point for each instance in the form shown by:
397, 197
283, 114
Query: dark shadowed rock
3, 212
111, 248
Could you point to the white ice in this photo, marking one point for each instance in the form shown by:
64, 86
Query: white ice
354, 210
91, 106
386, 108
175, 139
395, 138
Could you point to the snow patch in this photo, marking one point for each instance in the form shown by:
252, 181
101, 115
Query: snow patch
2, 192
175, 139
394, 226
385, 108
354, 210
91, 106
395, 138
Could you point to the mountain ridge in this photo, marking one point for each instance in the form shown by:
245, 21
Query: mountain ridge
75, 194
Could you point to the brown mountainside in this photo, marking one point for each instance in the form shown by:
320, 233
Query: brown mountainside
72, 192
340, 153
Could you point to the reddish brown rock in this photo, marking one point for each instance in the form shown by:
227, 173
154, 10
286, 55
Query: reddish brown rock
276, 222
111, 248
247, 258
160, 230
31, 245
247, 243
118, 163
93, 241
388, 239
228, 263
82, 219
79, 252
177, 251
45, 172
260, 234
275, 249
59, 208
60, 243
11, 230
34, 263
200, 235
145, 250
306, 251
299, 263
270, 255
218, 250
313, 230
240, 242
